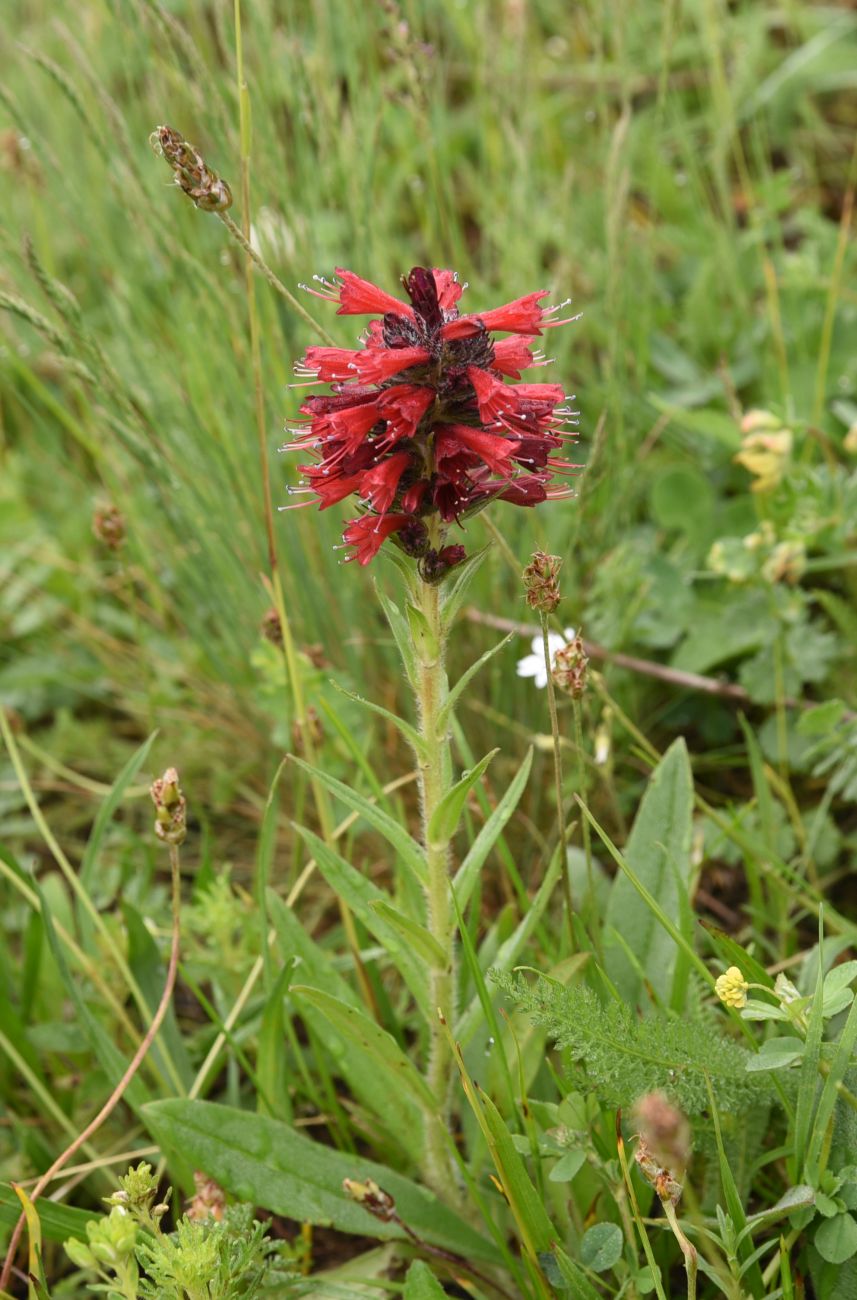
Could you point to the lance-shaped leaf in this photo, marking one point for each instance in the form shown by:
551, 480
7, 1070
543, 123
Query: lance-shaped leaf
447, 814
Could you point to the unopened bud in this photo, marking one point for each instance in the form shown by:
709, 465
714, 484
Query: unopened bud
435, 565
570, 665
170, 808
541, 582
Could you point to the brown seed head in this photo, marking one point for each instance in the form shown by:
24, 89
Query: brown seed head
570, 667
170, 808
541, 582
190, 170
667, 1187
108, 525
271, 627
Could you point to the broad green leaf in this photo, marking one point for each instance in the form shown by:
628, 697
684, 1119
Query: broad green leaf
447, 814
395, 834
421, 1283
836, 1239
658, 852
360, 894
468, 872
269, 1164
567, 1166
601, 1247
464, 680
401, 1095
839, 978
59, 1222
776, 1054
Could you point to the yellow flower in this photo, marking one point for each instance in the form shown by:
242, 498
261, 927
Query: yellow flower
731, 988
765, 455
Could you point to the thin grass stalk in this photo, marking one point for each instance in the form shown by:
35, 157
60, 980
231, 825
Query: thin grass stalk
292, 666
562, 834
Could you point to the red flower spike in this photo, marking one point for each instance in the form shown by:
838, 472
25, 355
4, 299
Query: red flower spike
420, 423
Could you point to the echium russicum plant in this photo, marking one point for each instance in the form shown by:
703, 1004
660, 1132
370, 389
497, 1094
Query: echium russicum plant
423, 429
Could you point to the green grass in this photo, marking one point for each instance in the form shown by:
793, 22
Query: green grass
685, 174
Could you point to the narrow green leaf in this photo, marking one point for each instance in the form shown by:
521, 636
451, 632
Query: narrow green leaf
263, 1161
808, 1086
412, 736
536, 1229
733, 954
658, 868
421, 941
59, 1222
827, 1101
408, 850
734, 1204
421, 1283
360, 894
468, 872
464, 680
104, 816
455, 593
424, 639
274, 1096
401, 633
150, 974
402, 1094
447, 815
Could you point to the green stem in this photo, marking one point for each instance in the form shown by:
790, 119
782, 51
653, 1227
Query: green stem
434, 775
581, 781
557, 770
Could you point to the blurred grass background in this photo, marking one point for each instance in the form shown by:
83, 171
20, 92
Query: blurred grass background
682, 171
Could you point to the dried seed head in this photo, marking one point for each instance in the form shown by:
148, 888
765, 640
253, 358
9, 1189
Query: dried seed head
541, 582
665, 1184
664, 1129
108, 525
271, 627
731, 988
190, 170
570, 667
170, 808
373, 1198
208, 1200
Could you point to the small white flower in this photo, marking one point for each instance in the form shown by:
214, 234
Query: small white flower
533, 665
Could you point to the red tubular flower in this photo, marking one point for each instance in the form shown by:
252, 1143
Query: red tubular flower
420, 424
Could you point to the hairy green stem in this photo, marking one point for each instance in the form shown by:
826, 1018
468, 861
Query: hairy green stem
434, 770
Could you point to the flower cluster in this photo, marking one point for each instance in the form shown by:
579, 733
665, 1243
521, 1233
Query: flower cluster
420, 424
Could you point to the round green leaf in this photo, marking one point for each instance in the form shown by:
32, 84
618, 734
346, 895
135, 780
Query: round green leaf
681, 498
567, 1166
835, 1239
601, 1247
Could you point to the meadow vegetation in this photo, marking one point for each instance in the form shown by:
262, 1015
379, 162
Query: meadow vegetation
645, 1083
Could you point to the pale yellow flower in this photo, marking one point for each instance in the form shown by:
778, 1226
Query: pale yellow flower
731, 988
